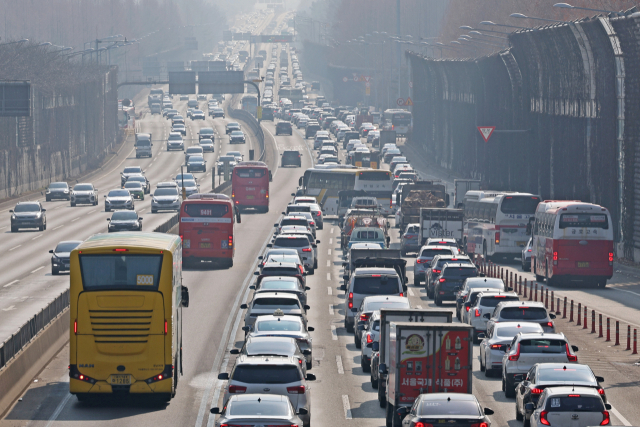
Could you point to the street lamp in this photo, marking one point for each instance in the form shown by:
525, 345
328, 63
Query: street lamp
487, 35
472, 40
17, 41
568, 6
523, 16
502, 25
467, 27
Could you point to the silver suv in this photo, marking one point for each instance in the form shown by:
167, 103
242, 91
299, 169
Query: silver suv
423, 261
522, 311
528, 349
486, 302
271, 375
301, 243
265, 303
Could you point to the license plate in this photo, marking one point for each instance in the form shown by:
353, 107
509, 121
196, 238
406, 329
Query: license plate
120, 379
205, 245
583, 264
251, 189
249, 197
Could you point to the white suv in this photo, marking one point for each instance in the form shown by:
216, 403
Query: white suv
526, 350
486, 302
300, 243
272, 375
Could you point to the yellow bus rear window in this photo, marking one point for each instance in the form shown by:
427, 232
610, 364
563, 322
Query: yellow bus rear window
129, 272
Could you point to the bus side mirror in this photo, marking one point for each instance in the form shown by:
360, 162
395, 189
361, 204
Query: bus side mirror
185, 296
528, 231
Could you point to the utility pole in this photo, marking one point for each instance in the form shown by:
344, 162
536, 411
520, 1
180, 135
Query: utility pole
398, 53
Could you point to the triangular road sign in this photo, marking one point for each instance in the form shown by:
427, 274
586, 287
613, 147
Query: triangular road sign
408, 102
486, 132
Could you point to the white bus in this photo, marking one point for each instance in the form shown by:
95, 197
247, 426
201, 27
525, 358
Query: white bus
398, 120
496, 222
325, 183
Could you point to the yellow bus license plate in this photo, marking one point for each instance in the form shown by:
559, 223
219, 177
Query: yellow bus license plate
249, 197
583, 265
120, 379
205, 245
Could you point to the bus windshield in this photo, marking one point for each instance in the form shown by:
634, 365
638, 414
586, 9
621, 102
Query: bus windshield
108, 272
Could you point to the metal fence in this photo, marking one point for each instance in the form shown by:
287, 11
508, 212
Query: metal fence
253, 125
565, 101
30, 329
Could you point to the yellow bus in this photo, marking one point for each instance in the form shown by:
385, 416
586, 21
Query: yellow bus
126, 315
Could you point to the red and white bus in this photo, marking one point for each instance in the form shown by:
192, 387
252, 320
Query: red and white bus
572, 241
496, 222
206, 227
250, 186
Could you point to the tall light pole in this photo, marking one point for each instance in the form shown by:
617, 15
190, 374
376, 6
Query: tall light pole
568, 6
502, 25
523, 16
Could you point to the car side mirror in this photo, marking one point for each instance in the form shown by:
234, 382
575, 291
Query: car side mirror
185, 296
509, 289
269, 245
304, 273
487, 316
361, 327
246, 329
140, 219
402, 411
607, 406
306, 307
11, 210
275, 225
306, 352
215, 411
343, 288
252, 287
552, 316
482, 275
518, 377
234, 351
50, 251
382, 368
600, 379
243, 306
44, 210
260, 257
488, 411
481, 335
307, 288
354, 310
223, 376
311, 377
574, 348
105, 196
375, 346
310, 329
303, 411
529, 407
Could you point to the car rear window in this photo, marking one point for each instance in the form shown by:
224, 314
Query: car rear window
443, 408
302, 222
431, 252
266, 374
543, 346
575, 403
567, 373
494, 301
278, 326
279, 284
459, 272
523, 313
376, 285
377, 305
264, 409
441, 263
276, 302
291, 242
512, 331
280, 271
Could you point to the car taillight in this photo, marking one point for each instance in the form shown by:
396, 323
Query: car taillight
421, 261
515, 357
230, 241
496, 346
571, 357
543, 418
233, 194
477, 313
364, 317
296, 390
301, 269
601, 391
75, 326
421, 424
468, 308
437, 271
497, 237
369, 339
350, 299
605, 418
610, 258
401, 294
479, 425
409, 237
442, 280
536, 391
549, 324
306, 249
319, 213
555, 258
237, 389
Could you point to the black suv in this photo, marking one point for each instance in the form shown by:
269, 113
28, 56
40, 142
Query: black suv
310, 130
451, 279
28, 215
284, 128
291, 158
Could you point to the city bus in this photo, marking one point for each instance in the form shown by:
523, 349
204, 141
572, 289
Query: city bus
126, 315
495, 222
325, 184
366, 159
250, 186
250, 104
398, 120
572, 241
207, 222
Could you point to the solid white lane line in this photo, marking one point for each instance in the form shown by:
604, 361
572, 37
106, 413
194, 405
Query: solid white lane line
345, 404
60, 226
59, 409
328, 276
334, 333
37, 237
37, 269
331, 313
75, 219
329, 290
15, 247
340, 366
10, 283
410, 292
622, 419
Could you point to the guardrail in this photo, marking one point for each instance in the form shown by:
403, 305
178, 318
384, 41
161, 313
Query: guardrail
27, 332
30, 329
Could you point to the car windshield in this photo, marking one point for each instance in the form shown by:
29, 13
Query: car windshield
493, 301
83, 187
184, 176
262, 408
196, 159
512, 331
206, 141
236, 133
118, 193
376, 284
66, 247
137, 179
194, 150
266, 374
188, 183
575, 403
124, 216
197, 112
568, 374
442, 262
278, 325
301, 221
377, 305
226, 158
543, 346
523, 313
136, 185
166, 192
132, 170
444, 408
58, 185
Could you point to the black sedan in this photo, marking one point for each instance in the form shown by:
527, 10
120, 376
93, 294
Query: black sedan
291, 158
543, 375
125, 221
61, 254
284, 128
450, 409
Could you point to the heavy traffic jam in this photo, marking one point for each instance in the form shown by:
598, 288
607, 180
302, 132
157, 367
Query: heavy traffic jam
415, 320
